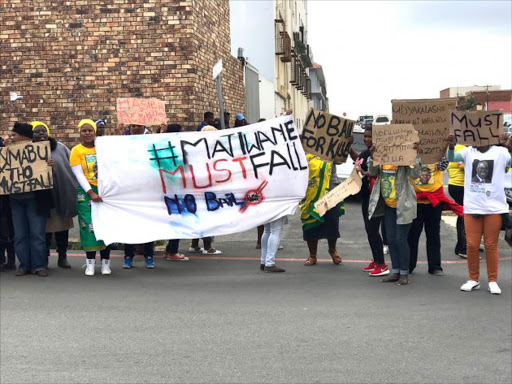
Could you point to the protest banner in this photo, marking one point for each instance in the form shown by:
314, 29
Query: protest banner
349, 187
194, 184
394, 144
430, 118
327, 135
476, 128
24, 168
141, 111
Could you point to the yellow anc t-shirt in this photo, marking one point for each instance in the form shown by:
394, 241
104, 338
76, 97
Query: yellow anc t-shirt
387, 184
430, 180
86, 157
456, 170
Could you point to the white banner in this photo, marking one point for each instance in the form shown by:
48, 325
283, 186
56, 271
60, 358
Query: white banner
195, 184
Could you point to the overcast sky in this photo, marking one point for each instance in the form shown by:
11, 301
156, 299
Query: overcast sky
373, 52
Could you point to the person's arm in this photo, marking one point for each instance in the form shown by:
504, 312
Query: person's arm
451, 155
352, 152
84, 183
443, 164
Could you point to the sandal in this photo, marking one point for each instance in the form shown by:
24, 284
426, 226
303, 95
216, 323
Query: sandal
310, 261
336, 258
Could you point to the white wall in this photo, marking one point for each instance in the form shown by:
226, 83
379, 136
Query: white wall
267, 99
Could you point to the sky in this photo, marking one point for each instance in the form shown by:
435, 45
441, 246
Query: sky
376, 51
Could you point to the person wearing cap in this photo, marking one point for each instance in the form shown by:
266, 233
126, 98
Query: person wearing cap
30, 211
101, 124
63, 194
83, 164
240, 120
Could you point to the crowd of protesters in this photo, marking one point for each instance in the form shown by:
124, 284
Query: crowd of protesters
401, 201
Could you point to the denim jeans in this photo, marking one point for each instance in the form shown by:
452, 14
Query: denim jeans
173, 246
270, 241
397, 242
29, 234
129, 250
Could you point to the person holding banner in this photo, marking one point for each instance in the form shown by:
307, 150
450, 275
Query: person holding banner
456, 190
30, 212
314, 226
484, 205
63, 193
393, 197
84, 166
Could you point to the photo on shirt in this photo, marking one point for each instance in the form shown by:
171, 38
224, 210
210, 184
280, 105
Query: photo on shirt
426, 177
482, 171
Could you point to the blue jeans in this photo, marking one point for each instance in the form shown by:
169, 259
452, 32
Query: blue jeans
397, 242
172, 246
29, 234
270, 241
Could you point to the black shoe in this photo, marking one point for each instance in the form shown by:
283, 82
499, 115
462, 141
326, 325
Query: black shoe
274, 268
41, 273
391, 278
437, 272
403, 280
63, 263
21, 272
262, 267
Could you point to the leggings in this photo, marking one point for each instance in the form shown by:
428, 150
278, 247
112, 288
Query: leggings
104, 253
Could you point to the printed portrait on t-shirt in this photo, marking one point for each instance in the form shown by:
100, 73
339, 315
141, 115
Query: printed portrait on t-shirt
482, 171
425, 177
92, 167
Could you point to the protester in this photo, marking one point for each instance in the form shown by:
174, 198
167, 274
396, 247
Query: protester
7, 254
270, 244
101, 125
208, 120
456, 190
394, 197
30, 212
484, 205
63, 194
314, 226
84, 166
240, 120
227, 118
372, 225
431, 202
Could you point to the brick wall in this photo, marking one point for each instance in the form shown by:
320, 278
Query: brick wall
71, 60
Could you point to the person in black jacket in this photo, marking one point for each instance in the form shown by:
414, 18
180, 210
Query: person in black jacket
30, 212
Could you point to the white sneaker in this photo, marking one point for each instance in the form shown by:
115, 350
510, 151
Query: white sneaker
89, 267
470, 285
385, 249
494, 288
105, 267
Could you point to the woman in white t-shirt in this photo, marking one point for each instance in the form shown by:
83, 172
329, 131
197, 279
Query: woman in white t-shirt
484, 203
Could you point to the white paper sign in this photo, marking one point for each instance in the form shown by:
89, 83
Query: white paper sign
195, 184
217, 69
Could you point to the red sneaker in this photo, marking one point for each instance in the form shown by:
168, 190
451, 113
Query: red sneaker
176, 257
380, 271
370, 267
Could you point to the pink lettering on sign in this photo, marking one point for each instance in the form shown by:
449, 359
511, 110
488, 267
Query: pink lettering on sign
141, 111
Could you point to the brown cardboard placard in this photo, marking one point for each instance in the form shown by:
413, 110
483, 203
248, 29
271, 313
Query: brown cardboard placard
326, 135
141, 111
349, 187
476, 128
394, 144
430, 118
24, 168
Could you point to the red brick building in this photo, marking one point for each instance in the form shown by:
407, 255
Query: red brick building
495, 100
71, 60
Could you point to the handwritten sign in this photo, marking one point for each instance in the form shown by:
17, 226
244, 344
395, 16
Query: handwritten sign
327, 135
394, 144
141, 111
195, 184
24, 168
349, 187
430, 118
476, 128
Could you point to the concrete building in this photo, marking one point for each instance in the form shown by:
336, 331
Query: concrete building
462, 91
319, 99
72, 60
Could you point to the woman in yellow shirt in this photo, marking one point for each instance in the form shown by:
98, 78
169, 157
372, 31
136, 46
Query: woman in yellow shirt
84, 166
456, 190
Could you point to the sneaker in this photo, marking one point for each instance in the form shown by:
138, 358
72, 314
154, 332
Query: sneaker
463, 255
370, 267
380, 271
494, 288
105, 267
391, 279
385, 249
150, 263
212, 251
470, 285
196, 250
128, 263
176, 257
89, 267
274, 268
437, 272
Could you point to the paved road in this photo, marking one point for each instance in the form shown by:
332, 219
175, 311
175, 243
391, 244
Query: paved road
216, 321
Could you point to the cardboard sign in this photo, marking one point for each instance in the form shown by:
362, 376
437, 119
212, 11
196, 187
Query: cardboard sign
430, 118
189, 185
476, 128
327, 135
24, 168
141, 111
394, 144
349, 187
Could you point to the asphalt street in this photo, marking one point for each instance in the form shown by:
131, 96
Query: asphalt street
221, 320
